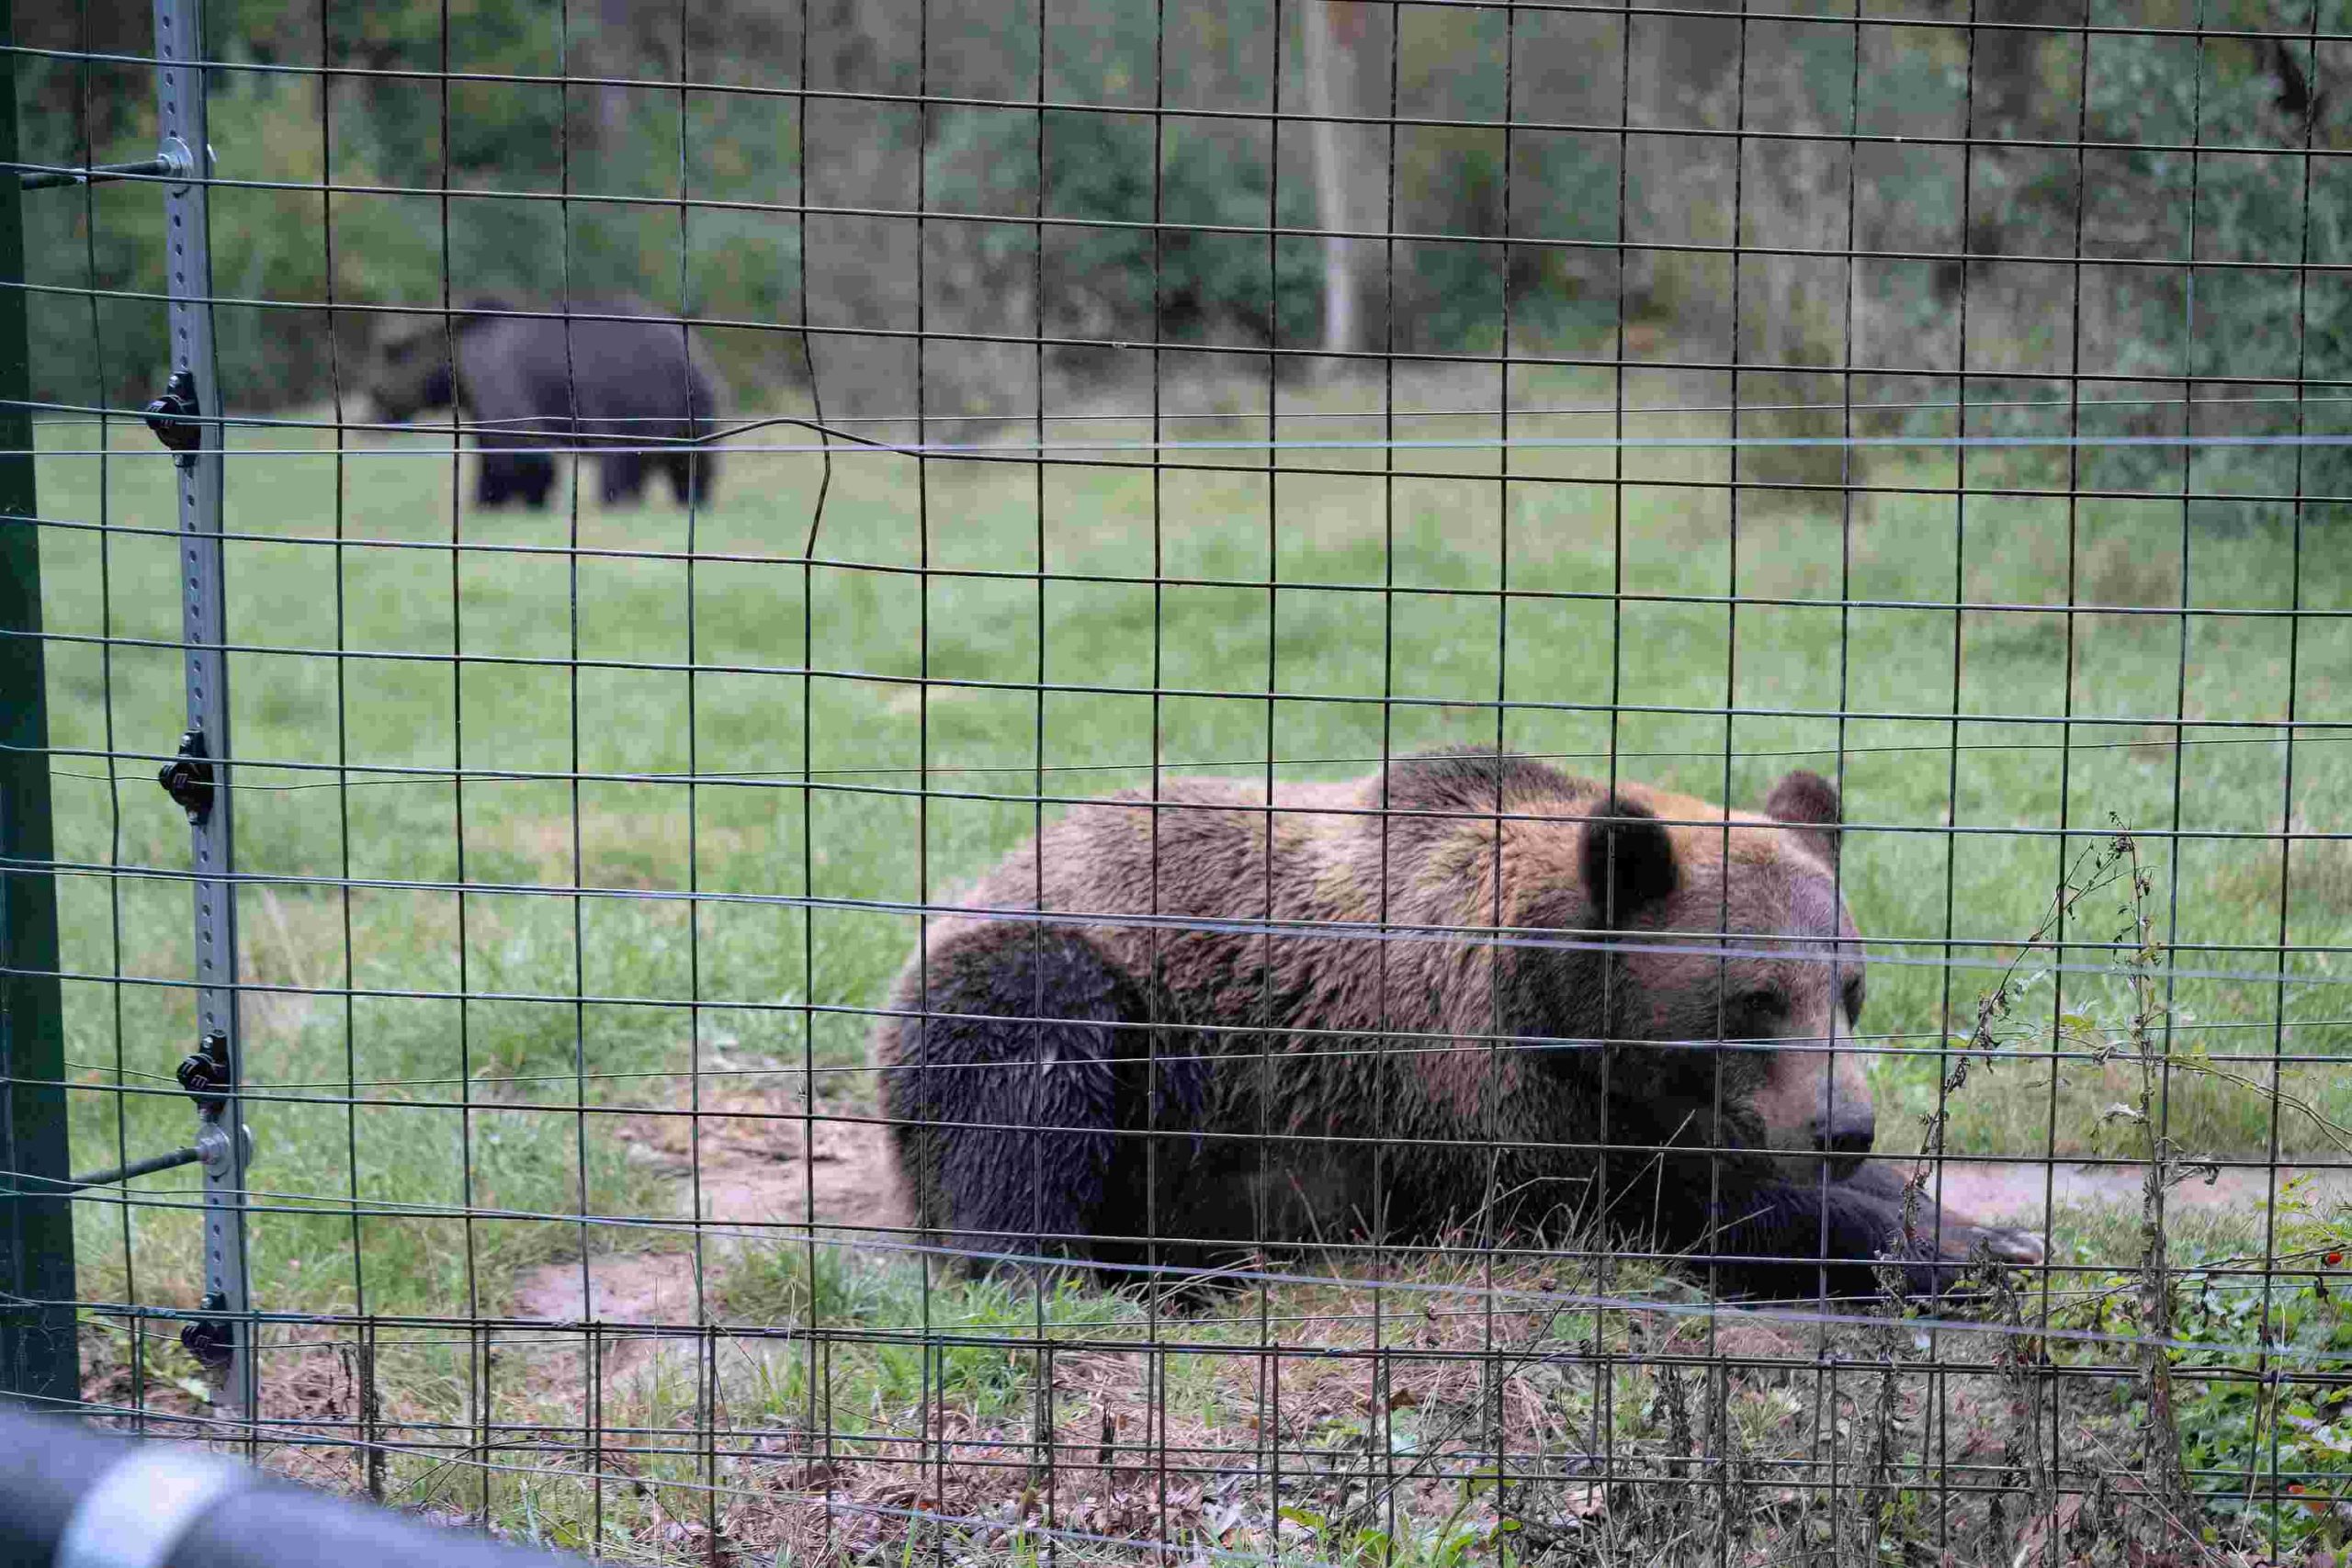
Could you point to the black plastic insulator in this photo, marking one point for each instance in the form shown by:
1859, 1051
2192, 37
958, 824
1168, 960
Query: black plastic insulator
210, 1340
205, 1070
187, 778
173, 416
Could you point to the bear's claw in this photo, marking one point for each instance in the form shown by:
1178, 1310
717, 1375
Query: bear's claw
2010, 1244
1947, 1267
1963, 1242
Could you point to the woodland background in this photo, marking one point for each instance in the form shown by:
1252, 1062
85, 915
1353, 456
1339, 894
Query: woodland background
1986, 163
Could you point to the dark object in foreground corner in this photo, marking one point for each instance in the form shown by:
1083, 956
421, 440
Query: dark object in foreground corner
180, 1505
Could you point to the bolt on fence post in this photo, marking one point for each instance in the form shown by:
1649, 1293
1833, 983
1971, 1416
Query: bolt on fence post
187, 418
38, 1357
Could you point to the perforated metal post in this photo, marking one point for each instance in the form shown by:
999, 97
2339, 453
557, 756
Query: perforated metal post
200, 781
37, 1348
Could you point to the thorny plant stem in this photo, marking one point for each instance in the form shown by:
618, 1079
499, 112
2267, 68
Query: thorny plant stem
2143, 1042
2025, 1360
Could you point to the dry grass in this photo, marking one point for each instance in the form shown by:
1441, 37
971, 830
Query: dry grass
1358, 1420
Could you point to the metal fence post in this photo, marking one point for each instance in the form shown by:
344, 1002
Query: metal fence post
187, 419
37, 1358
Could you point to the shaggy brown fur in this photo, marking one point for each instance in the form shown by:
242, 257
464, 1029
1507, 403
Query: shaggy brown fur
1135, 1090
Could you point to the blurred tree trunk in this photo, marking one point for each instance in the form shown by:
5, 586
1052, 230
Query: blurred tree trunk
2006, 81
1333, 35
1679, 60
612, 57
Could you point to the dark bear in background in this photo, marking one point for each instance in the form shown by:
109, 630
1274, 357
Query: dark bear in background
1127, 1092
526, 383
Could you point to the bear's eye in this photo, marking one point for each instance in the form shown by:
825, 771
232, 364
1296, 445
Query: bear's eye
1853, 1000
1751, 1015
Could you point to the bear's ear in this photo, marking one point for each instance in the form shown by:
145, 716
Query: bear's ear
1628, 860
1809, 801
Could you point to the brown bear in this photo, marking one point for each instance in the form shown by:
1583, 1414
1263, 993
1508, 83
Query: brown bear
1211, 1027
528, 383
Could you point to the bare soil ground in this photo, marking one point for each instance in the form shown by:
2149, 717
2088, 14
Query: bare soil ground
752, 1164
2019, 1192
754, 1173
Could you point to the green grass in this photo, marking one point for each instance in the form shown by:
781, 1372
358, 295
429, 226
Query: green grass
466, 1102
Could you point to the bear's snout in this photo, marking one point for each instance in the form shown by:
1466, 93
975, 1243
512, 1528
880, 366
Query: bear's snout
1846, 1135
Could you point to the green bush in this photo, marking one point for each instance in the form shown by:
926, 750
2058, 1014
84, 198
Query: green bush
1236, 288
2248, 198
2244, 1428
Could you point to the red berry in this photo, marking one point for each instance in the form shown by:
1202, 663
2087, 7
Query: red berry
2333, 1258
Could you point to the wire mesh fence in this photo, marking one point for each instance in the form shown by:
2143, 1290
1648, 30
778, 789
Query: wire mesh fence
1320, 781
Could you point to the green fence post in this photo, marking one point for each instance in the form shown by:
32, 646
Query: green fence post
38, 1356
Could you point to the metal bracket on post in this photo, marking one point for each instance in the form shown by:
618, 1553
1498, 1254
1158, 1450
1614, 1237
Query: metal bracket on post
187, 418
172, 161
199, 1071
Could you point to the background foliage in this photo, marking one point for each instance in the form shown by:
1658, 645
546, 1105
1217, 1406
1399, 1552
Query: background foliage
2195, 155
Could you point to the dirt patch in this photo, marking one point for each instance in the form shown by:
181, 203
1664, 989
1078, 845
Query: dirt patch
755, 1174
763, 1163
630, 1287
753, 1163
2019, 1191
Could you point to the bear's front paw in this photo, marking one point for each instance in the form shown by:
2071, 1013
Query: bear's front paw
1954, 1263
1991, 1243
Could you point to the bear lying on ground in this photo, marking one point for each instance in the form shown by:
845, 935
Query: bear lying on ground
528, 383
1141, 1092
